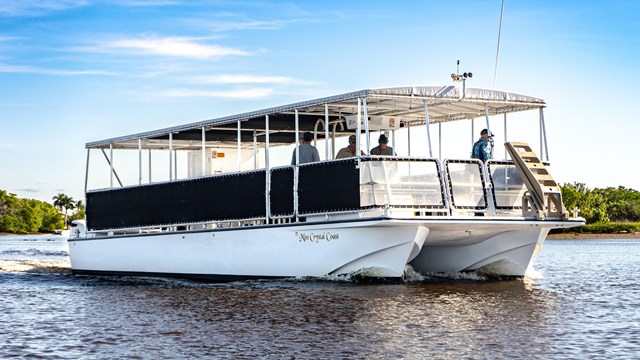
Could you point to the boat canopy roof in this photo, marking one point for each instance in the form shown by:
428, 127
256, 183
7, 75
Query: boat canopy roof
444, 103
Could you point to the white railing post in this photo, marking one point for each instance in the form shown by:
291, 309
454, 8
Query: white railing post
267, 174
111, 165
366, 125
326, 131
86, 174
139, 161
204, 153
359, 118
170, 156
426, 117
239, 155
543, 137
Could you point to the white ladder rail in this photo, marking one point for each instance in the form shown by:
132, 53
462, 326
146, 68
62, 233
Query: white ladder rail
544, 198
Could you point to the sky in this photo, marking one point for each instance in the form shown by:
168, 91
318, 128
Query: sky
77, 71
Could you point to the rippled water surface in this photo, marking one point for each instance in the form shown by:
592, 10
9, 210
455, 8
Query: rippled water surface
581, 300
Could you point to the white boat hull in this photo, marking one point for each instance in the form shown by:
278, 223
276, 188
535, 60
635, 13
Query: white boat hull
381, 247
498, 248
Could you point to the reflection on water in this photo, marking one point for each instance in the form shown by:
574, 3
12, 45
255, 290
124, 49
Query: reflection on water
580, 302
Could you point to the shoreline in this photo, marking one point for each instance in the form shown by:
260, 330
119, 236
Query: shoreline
593, 236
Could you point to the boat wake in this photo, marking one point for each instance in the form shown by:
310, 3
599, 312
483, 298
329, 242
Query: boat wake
412, 276
36, 266
34, 252
533, 274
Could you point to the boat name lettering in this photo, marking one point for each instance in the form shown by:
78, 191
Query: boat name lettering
311, 236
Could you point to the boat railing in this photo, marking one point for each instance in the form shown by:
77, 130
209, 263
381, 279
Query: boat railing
353, 187
507, 185
468, 187
396, 182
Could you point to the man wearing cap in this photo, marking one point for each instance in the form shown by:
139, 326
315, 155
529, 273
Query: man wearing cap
382, 148
307, 152
483, 148
349, 151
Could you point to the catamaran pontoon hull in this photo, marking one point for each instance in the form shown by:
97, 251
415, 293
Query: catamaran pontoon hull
496, 248
381, 248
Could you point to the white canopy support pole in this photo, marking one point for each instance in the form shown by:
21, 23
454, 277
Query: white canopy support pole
110, 165
267, 174
170, 156
440, 141
544, 136
366, 125
239, 155
296, 168
297, 140
139, 161
255, 150
333, 140
505, 136
315, 132
86, 172
109, 161
473, 131
326, 131
358, 131
175, 164
393, 140
204, 153
149, 166
486, 115
409, 139
426, 117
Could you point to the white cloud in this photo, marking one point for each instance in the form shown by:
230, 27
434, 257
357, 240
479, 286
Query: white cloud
4, 68
241, 79
230, 94
36, 7
146, 3
171, 46
222, 26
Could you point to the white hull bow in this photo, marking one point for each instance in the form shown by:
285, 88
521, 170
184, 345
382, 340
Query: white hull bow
383, 248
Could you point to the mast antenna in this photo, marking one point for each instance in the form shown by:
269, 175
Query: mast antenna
495, 70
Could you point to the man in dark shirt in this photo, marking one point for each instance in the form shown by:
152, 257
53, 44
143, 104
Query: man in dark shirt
307, 152
382, 148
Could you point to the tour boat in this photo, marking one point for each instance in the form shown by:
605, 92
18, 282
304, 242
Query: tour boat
226, 207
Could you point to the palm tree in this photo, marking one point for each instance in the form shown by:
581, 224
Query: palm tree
64, 203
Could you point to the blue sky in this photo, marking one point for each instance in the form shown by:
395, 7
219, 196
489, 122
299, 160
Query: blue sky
75, 71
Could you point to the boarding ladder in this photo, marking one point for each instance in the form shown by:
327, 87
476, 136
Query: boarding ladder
543, 198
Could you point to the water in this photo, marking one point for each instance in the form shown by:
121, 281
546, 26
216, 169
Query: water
581, 301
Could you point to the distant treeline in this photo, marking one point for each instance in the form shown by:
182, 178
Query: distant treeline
27, 216
602, 205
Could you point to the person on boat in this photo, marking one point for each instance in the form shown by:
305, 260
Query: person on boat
307, 152
383, 148
350, 150
483, 148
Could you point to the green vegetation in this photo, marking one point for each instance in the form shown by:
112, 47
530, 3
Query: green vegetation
608, 228
609, 210
25, 216
65, 203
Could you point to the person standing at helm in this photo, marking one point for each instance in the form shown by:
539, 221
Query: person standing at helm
483, 148
383, 148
